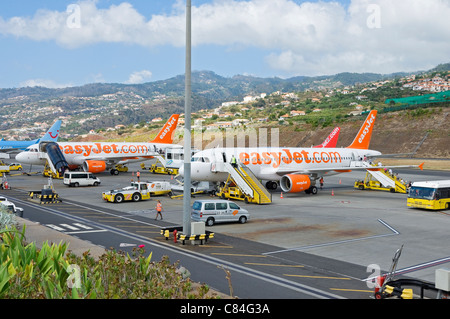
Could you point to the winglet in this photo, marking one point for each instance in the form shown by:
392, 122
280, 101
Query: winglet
331, 140
362, 139
165, 136
53, 133
421, 166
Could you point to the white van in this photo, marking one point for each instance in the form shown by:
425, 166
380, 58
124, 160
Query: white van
218, 211
80, 179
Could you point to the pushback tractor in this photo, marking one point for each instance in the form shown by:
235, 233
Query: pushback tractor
136, 192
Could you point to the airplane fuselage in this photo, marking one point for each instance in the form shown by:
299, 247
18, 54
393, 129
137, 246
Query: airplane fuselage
273, 163
76, 153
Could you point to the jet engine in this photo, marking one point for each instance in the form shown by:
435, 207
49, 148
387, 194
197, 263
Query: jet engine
94, 166
294, 183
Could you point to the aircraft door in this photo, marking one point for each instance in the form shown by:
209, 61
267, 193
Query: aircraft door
220, 159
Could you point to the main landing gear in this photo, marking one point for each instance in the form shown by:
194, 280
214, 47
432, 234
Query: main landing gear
311, 190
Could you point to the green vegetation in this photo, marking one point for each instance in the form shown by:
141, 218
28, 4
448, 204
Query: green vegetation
52, 272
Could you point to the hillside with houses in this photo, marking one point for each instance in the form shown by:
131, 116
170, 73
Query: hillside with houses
301, 105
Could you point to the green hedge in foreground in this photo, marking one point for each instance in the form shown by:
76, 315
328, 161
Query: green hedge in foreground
53, 272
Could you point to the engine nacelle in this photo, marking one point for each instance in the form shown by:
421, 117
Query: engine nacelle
94, 166
294, 183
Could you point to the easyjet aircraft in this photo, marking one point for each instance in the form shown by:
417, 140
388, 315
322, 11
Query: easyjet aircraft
97, 157
331, 140
295, 169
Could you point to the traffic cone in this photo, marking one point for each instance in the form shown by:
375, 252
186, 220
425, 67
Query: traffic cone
281, 196
332, 192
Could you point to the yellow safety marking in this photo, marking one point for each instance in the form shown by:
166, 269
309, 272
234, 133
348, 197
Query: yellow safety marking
317, 277
274, 265
356, 290
239, 255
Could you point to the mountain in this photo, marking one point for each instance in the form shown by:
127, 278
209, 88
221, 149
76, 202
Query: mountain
207, 84
102, 105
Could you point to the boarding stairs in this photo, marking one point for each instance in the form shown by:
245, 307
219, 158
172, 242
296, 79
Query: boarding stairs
51, 152
386, 179
247, 182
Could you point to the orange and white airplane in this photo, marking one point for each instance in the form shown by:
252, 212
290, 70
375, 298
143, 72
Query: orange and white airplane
295, 169
96, 157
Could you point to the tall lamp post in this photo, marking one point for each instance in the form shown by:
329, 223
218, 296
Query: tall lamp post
187, 128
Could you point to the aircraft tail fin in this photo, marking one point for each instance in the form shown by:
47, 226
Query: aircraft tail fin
331, 140
165, 136
53, 133
362, 139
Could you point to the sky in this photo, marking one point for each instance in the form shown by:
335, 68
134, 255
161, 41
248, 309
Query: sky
60, 43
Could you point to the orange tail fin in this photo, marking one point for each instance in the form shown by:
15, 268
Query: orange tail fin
165, 136
362, 139
331, 140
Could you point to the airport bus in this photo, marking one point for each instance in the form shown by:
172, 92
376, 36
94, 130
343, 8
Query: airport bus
433, 195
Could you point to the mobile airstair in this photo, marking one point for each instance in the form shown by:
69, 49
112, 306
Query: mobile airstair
55, 158
242, 184
379, 179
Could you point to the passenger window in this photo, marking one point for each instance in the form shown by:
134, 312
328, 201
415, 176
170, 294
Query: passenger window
221, 206
234, 206
209, 206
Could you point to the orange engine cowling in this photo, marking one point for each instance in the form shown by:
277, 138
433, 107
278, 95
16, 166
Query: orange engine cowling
294, 183
94, 166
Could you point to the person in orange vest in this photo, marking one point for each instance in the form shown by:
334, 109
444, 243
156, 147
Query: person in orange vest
159, 209
138, 175
321, 182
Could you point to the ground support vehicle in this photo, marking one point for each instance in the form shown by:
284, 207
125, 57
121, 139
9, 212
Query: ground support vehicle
80, 179
136, 192
159, 188
212, 211
371, 182
434, 195
242, 184
4, 168
15, 167
157, 169
49, 173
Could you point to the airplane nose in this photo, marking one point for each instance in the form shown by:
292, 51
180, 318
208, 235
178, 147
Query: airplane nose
20, 157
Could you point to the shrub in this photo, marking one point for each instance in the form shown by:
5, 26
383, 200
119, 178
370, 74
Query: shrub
52, 272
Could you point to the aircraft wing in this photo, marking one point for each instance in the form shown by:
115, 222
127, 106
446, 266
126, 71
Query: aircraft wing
115, 158
335, 170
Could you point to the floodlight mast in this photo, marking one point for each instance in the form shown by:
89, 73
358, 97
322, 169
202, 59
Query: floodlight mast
187, 128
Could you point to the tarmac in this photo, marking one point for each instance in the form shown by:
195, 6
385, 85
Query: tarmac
40, 234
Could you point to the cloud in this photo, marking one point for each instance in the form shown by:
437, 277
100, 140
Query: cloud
306, 38
139, 77
43, 83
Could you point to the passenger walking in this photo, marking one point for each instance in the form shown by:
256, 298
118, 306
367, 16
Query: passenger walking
159, 209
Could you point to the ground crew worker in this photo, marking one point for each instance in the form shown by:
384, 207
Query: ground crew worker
159, 209
138, 175
233, 161
321, 182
